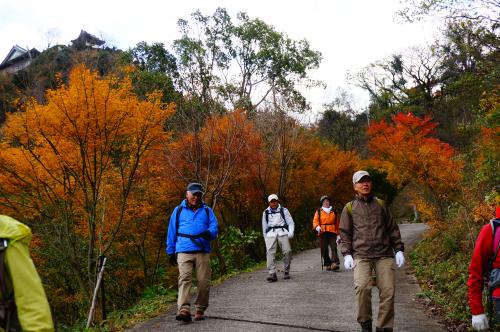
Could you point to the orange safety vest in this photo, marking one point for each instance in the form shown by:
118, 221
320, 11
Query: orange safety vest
327, 221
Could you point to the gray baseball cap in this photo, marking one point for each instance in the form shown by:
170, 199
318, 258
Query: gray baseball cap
194, 188
359, 175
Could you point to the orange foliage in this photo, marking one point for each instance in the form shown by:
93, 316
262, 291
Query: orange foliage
79, 163
226, 148
406, 150
322, 169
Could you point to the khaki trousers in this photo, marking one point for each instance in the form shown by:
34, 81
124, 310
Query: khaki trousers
271, 246
384, 269
200, 262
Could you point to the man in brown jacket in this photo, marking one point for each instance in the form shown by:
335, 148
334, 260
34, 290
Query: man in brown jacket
369, 233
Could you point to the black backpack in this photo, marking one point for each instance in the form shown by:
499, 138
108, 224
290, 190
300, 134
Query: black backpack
493, 275
193, 238
268, 228
8, 311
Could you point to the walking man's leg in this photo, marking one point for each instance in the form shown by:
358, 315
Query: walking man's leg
385, 271
287, 253
271, 245
203, 276
363, 290
185, 263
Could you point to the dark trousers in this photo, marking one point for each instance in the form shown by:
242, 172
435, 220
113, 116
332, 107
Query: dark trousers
327, 242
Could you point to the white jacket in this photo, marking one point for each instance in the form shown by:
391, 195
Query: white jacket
276, 220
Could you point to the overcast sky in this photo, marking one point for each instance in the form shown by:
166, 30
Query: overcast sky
350, 34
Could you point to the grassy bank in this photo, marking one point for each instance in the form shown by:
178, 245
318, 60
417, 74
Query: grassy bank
441, 265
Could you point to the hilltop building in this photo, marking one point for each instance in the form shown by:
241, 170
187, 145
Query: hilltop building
17, 59
86, 40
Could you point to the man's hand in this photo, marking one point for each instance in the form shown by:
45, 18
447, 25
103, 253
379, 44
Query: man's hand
206, 235
480, 322
172, 259
318, 229
348, 262
400, 259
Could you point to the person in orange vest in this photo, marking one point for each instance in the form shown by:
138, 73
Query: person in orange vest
326, 226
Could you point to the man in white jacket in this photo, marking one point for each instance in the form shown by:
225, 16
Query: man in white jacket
277, 228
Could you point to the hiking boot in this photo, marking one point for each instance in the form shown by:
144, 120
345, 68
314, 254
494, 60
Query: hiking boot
199, 315
335, 267
272, 277
286, 275
366, 326
328, 267
184, 316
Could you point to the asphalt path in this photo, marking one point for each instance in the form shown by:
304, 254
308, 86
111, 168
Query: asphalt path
312, 300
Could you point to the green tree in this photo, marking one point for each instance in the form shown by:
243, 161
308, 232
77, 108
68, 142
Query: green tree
156, 69
342, 125
241, 64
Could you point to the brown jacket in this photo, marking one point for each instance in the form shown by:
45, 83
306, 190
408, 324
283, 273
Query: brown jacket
370, 231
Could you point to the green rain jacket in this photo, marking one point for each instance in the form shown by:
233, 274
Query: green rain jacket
33, 308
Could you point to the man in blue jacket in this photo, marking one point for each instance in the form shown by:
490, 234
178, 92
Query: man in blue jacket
191, 228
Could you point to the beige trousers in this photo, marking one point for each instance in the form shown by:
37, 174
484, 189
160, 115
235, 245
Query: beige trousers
200, 262
384, 269
271, 246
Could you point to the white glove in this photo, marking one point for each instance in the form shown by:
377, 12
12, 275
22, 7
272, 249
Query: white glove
480, 322
400, 259
318, 229
290, 235
348, 262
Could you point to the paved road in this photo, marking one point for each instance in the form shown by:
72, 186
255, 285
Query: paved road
313, 300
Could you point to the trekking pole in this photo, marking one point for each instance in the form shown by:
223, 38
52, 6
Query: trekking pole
321, 250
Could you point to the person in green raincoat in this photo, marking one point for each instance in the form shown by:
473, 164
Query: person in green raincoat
33, 311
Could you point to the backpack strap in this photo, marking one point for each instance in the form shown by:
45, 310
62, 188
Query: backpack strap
349, 205
319, 217
282, 213
3, 247
496, 243
191, 237
8, 320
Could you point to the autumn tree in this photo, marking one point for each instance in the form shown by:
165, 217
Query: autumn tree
408, 151
69, 167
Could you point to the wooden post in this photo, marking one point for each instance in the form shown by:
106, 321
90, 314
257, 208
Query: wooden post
94, 298
103, 292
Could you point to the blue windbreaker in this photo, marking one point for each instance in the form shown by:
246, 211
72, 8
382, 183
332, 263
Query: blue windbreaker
192, 223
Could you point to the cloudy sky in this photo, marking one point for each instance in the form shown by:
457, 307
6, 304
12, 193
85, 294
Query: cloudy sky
350, 34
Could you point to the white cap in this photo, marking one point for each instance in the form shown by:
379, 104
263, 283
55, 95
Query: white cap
272, 196
358, 175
